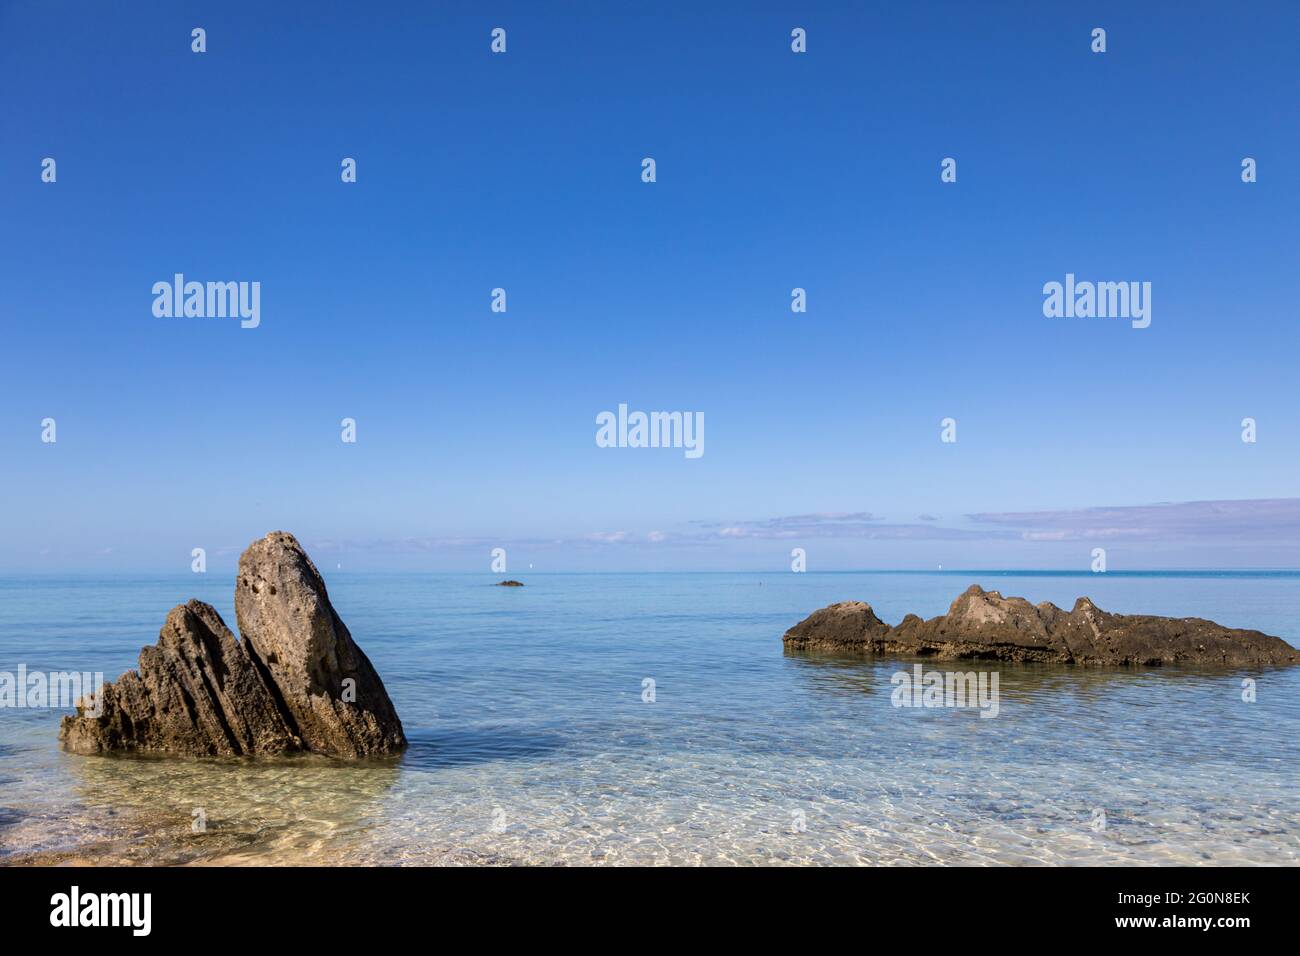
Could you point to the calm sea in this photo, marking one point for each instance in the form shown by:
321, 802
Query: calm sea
531, 741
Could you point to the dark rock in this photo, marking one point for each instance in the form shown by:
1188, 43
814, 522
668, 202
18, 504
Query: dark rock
847, 626
984, 624
196, 691
511, 584
295, 682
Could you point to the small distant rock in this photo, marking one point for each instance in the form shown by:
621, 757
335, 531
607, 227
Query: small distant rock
985, 625
510, 584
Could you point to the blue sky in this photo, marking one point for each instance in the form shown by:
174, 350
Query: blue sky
775, 170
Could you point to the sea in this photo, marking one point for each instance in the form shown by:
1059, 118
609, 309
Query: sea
655, 719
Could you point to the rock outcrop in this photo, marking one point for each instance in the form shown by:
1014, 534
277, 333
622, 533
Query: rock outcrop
196, 691
295, 682
984, 625
335, 701
510, 584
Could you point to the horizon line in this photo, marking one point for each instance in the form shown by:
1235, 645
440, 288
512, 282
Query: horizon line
1055, 572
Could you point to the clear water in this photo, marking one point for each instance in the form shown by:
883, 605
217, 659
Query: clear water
530, 741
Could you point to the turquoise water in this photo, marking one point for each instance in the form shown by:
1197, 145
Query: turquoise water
531, 743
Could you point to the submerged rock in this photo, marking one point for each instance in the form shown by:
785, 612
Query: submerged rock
510, 584
295, 682
984, 624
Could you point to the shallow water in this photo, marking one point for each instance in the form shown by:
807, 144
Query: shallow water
530, 741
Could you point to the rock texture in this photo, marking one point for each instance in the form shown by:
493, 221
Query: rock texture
296, 682
984, 625
196, 691
286, 618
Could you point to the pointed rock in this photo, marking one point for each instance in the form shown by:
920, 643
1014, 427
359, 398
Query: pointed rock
335, 701
296, 681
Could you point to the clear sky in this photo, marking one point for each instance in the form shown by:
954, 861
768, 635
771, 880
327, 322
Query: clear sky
775, 170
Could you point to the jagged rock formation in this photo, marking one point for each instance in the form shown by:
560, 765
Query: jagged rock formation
984, 624
196, 691
296, 681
